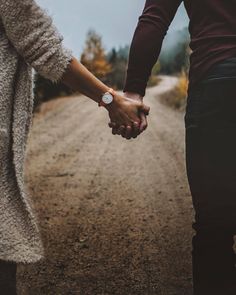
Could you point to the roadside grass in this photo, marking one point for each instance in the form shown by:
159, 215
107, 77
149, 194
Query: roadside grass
154, 81
176, 97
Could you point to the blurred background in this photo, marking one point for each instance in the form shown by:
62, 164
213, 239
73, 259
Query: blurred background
100, 33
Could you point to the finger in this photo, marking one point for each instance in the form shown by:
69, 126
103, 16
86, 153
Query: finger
122, 126
116, 123
127, 123
144, 122
112, 124
121, 130
145, 109
128, 132
135, 131
135, 126
123, 133
115, 131
132, 127
115, 128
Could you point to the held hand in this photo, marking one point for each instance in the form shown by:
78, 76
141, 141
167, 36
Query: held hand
137, 129
125, 116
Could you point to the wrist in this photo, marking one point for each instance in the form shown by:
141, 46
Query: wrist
107, 99
133, 95
117, 101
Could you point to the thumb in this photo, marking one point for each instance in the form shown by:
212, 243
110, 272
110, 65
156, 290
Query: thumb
145, 109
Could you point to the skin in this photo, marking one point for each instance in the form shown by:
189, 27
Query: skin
126, 132
127, 113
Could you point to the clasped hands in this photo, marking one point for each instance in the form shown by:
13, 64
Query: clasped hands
128, 115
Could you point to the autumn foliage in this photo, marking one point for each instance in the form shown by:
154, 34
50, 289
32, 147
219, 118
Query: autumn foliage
176, 97
94, 57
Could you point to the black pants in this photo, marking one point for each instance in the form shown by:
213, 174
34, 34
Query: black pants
7, 278
210, 122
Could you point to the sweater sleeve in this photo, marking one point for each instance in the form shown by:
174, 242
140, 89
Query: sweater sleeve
147, 41
31, 31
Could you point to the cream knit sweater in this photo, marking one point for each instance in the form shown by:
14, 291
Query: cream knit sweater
28, 40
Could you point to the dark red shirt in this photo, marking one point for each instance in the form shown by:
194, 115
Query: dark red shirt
212, 29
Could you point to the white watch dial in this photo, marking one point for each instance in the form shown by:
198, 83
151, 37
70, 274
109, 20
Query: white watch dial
107, 98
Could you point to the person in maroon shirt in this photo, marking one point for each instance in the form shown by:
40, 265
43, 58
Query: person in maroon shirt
210, 122
213, 38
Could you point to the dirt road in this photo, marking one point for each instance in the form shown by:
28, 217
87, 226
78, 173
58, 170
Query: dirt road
115, 215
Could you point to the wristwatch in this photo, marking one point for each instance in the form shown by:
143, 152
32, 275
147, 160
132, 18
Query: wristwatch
107, 98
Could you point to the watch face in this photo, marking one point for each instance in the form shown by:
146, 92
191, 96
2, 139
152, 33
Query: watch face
107, 98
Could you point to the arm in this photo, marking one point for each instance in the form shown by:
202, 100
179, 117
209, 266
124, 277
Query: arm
147, 41
32, 33
78, 78
145, 49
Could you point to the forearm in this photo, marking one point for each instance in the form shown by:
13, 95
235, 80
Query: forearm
78, 78
147, 41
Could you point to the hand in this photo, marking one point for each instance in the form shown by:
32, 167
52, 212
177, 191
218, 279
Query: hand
128, 116
134, 132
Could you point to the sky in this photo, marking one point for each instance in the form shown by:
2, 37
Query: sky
114, 20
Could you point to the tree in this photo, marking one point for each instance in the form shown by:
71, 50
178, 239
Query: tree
93, 56
118, 61
175, 52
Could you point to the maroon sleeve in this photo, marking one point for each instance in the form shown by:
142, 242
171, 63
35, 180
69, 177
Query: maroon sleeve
147, 41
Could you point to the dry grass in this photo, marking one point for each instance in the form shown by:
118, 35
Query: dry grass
154, 81
176, 98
